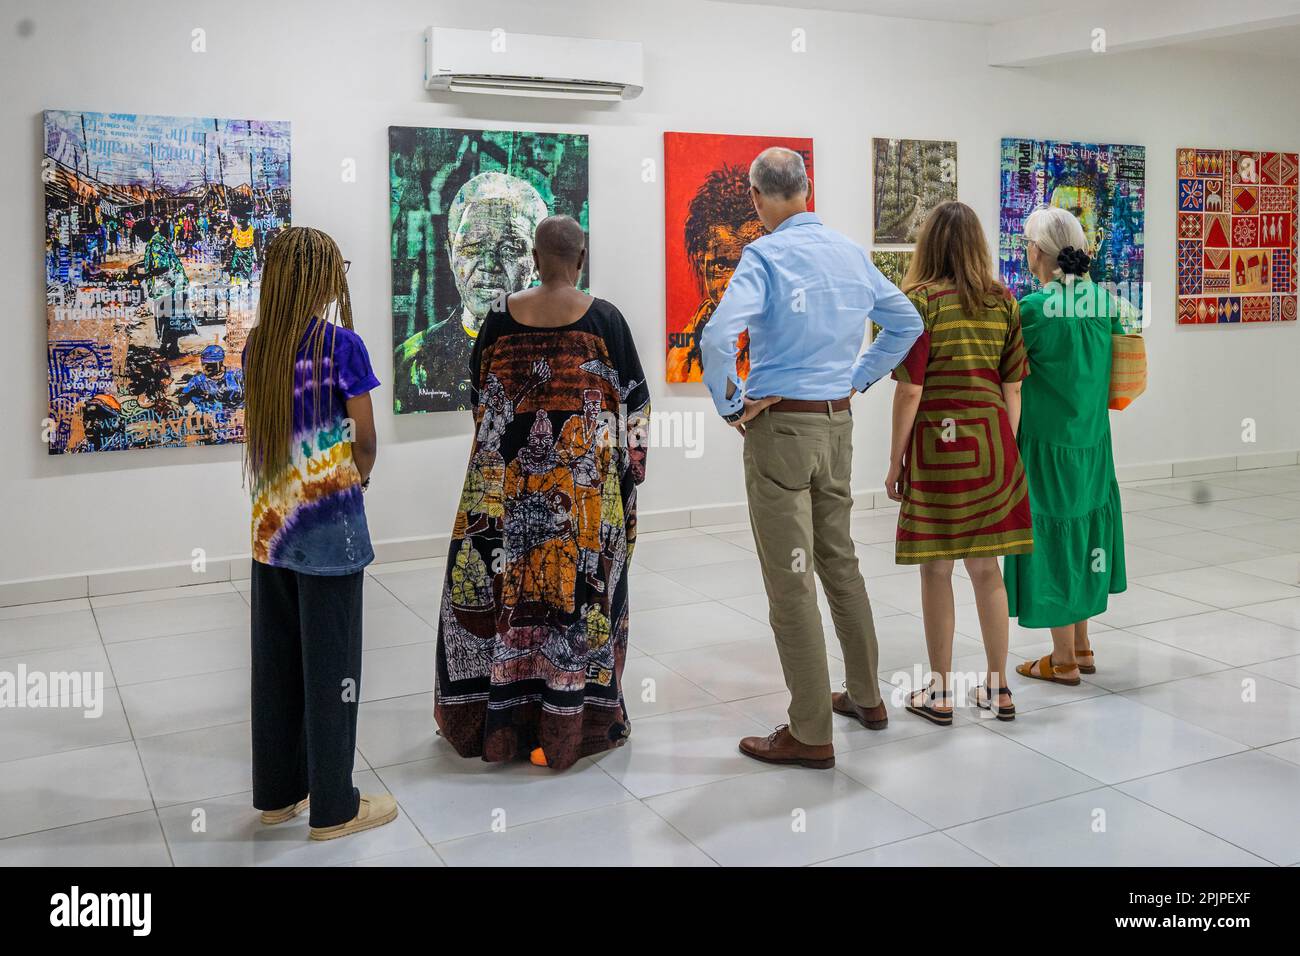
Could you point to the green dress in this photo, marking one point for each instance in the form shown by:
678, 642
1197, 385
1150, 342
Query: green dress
1078, 556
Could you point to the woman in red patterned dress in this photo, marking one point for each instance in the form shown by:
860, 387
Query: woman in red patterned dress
954, 465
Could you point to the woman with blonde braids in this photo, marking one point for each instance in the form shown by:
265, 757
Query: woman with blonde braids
310, 448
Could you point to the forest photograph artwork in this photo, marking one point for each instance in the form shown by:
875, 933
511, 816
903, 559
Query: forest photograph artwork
893, 263
909, 178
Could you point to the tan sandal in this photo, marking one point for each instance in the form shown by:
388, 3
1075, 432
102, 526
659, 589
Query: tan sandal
1090, 665
1047, 671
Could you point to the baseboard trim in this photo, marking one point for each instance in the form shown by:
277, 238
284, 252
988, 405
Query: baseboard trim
238, 567
1195, 467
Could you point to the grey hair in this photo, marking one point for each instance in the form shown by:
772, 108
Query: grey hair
778, 171
1052, 229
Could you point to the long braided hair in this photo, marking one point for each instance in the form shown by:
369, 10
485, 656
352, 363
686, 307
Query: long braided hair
303, 276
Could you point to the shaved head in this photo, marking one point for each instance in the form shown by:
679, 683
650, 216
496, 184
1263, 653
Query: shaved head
559, 238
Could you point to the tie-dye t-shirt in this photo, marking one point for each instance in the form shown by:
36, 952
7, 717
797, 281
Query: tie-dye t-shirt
311, 517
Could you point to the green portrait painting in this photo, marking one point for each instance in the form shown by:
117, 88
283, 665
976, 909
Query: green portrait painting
464, 207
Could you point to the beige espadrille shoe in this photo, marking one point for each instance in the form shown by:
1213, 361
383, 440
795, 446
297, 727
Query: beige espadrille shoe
375, 810
272, 817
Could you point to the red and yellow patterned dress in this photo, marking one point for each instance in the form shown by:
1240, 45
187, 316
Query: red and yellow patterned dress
965, 494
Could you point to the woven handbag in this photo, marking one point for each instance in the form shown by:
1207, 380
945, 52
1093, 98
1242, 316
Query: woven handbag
1128, 370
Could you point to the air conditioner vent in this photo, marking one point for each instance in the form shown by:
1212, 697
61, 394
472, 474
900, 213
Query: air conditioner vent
521, 64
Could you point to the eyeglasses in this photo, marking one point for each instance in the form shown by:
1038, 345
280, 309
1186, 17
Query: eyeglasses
347, 264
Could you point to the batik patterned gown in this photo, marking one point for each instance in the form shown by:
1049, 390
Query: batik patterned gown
965, 494
533, 628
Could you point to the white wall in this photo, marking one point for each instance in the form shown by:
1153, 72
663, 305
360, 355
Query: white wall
342, 72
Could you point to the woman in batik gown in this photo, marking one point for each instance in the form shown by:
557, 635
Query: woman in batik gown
533, 628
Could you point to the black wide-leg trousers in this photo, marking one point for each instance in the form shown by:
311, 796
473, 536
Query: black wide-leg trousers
306, 689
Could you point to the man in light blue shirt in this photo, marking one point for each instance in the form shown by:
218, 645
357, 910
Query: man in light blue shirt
805, 293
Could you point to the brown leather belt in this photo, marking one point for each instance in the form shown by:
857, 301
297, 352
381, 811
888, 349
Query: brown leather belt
803, 405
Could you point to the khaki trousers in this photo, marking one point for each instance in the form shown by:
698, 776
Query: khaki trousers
797, 468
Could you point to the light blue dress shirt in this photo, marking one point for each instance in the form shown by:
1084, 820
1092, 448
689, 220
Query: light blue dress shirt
805, 293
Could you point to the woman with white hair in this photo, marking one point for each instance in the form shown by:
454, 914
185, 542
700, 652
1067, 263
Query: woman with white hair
1064, 439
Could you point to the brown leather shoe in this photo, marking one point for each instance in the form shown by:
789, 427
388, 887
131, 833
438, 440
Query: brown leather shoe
780, 746
873, 718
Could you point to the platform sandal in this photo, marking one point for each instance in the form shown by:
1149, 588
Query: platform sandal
926, 697
983, 696
1046, 671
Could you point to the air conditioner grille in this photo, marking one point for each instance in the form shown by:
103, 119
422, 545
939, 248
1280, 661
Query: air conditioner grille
536, 82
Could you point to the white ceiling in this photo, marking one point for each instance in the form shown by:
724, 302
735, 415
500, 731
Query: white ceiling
1273, 41
959, 11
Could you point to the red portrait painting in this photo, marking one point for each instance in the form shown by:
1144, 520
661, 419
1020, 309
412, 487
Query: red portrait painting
709, 218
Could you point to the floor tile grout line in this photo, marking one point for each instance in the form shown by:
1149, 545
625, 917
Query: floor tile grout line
893, 803
880, 846
405, 812
747, 772
81, 823
1276, 743
135, 742
1099, 785
642, 800
1189, 823
1055, 760
982, 856
75, 750
160, 637
1224, 665
570, 813
135, 746
1187, 720
934, 831
1114, 788
677, 830
1123, 694
533, 823
231, 670
210, 589
1218, 567
1129, 627
377, 579
56, 649
934, 827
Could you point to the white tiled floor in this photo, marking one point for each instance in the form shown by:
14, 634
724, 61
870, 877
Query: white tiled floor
1183, 749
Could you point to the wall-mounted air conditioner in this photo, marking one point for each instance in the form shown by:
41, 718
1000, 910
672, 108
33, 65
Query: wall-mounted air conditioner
526, 64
